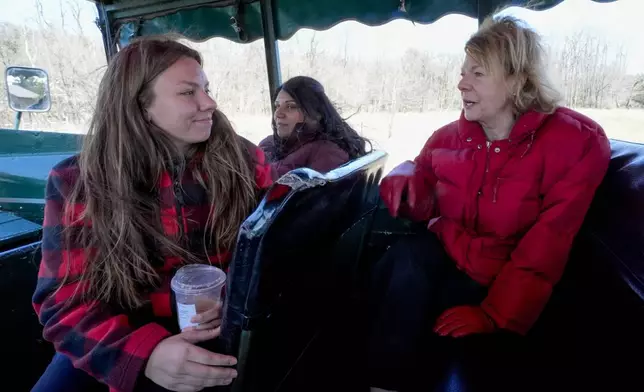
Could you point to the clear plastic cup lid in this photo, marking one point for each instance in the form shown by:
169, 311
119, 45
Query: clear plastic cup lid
196, 278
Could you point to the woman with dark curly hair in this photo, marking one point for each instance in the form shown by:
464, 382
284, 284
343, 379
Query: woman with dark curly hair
308, 131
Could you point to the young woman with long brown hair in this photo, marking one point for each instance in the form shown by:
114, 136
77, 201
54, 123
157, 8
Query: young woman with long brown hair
162, 180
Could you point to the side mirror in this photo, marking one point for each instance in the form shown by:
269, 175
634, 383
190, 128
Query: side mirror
28, 89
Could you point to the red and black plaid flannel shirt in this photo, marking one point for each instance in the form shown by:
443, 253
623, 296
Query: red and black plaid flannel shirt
110, 344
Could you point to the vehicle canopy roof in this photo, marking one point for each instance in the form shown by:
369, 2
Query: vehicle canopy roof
241, 20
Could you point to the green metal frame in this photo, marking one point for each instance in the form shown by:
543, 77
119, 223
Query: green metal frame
271, 49
127, 9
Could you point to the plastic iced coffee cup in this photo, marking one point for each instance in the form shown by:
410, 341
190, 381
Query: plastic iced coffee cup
197, 287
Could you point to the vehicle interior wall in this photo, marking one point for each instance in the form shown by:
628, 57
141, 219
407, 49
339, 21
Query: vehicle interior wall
26, 157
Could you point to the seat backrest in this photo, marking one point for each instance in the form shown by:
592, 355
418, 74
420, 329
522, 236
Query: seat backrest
297, 257
606, 266
596, 313
607, 259
616, 217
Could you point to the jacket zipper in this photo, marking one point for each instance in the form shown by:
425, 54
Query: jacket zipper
487, 158
497, 183
479, 190
496, 189
487, 167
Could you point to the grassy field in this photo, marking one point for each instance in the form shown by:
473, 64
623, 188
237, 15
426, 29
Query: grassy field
402, 135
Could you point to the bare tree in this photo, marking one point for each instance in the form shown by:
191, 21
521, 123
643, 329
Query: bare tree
313, 52
9, 43
75, 10
637, 90
589, 69
31, 50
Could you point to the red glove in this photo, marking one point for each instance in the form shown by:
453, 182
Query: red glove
396, 186
461, 321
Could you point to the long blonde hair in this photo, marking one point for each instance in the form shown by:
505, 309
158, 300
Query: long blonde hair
506, 44
121, 162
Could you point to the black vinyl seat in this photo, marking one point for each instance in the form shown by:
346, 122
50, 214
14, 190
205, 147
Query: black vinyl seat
296, 267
